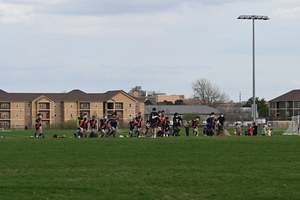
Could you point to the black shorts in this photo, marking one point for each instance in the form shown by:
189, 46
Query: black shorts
153, 125
176, 126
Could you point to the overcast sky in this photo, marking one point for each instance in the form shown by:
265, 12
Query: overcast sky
162, 45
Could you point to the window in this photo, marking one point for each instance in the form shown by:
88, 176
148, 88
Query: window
130, 114
71, 114
85, 106
59, 114
5, 124
118, 105
130, 105
54, 114
110, 105
96, 105
17, 105
55, 105
28, 114
17, 114
5, 114
17, 124
298, 112
299, 104
28, 105
71, 105
5, 105
136, 105
287, 113
287, 104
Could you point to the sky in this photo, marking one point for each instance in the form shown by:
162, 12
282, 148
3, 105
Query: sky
162, 45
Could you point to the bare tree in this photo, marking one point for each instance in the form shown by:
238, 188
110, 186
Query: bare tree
208, 93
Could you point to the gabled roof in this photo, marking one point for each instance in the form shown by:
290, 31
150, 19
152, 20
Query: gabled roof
74, 95
293, 95
182, 109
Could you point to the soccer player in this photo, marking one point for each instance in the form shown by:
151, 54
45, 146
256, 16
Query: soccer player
38, 125
93, 124
139, 120
167, 127
211, 123
113, 124
132, 124
78, 121
162, 122
221, 119
254, 129
154, 119
85, 125
103, 123
220, 124
195, 123
148, 124
177, 121
299, 129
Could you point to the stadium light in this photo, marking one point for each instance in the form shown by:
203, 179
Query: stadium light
253, 18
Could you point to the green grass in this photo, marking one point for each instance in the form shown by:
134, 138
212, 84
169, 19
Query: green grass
242, 167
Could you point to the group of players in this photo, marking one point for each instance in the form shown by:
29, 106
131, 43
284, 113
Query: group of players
83, 124
159, 124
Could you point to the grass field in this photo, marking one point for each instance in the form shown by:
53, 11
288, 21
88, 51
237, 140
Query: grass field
242, 167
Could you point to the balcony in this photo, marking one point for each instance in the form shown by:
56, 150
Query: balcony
44, 106
4, 106
84, 106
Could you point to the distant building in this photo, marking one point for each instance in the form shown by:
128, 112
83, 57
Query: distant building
285, 106
159, 95
18, 110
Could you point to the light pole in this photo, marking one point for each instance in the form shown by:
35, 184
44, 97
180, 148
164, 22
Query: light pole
253, 18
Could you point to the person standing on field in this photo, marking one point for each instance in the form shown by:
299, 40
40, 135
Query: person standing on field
254, 129
162, 122
38, 125
221, 120
103, 123
299, 129
154, 119
238, 130
113, 124
139, 120
195, 123
177, 121
93, 124
211, 123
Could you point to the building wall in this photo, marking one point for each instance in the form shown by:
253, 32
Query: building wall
17, 114
172, 98
21, 114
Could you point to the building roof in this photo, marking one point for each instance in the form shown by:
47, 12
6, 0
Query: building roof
182, 109
74, 95
293, 95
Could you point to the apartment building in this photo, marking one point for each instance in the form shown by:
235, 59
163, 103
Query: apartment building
18, 110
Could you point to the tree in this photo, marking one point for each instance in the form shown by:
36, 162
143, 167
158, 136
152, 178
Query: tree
165, 102
262, 106
179, 102
208, 93
148, 102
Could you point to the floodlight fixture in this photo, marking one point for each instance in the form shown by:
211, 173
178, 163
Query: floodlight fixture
253, 18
